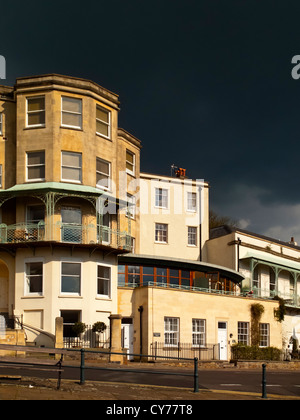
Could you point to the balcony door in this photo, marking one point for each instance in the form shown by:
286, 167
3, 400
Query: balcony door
71, 224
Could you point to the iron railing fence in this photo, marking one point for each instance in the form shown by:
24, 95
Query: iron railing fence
185, 350
88, 339
65, 232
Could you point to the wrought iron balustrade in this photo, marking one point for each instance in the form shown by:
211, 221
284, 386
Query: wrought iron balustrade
64, 233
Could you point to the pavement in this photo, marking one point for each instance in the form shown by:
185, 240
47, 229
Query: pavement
17, 387
46, 389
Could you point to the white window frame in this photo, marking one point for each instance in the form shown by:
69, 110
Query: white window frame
192, 202
78, 127
36, 165
80, 279
100, 295
1, 123
192, 233
35, 112
104, 122
26, 280
131, 206
129, 171
243, 332
73, 167
102, 187
171, 331
159, 228
161, 198
198, 332
264, 334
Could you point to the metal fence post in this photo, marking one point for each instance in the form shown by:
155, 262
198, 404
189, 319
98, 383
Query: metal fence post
264, 382
82, 378
196, 379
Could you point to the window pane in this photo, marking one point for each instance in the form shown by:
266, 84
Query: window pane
71, 215
129, 157
102, 166
174, 273
71, 119
185, 282
148, 270
71, 104
103, 287
121, 279
161, 271
133, 269
70, 284
34, 268
72, 174
71, 159
36, 104
36, 172
103, 272
36, 118
102, 128
34, 158
70, 269
102, 114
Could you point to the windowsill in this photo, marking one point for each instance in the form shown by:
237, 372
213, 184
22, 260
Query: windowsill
108, 190
33, 297
103, 137
69, 127
100, 297
29, 181
130, 173
71, 181
161, 243
34, 127
70, 296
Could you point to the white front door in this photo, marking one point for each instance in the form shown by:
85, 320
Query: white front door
222, 340
127, 339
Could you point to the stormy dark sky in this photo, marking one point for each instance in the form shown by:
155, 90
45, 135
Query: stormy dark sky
205, 85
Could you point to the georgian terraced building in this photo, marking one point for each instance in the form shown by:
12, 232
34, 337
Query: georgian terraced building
65, 175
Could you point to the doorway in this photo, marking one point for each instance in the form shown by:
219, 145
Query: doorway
127, 336
4, 284
71, 224
222, 340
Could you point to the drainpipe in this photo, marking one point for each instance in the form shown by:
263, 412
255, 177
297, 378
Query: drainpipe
140, 309
238, 254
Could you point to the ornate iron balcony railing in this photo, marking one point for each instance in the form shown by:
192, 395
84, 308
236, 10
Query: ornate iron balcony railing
65, 233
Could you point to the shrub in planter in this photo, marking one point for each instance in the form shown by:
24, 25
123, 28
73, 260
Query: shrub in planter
79, 328
99, 327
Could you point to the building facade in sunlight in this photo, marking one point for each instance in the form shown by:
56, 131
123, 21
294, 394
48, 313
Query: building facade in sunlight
65, 167
86, 237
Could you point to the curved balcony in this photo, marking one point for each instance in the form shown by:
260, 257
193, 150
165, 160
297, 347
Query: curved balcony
67, 233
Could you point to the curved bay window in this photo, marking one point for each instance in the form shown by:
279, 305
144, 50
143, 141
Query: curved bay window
146, 275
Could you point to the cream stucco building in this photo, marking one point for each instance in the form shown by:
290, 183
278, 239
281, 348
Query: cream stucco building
271, 268
173, 216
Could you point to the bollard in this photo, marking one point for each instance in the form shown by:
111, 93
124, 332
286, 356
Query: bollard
196, 378
264, 382
82, 378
